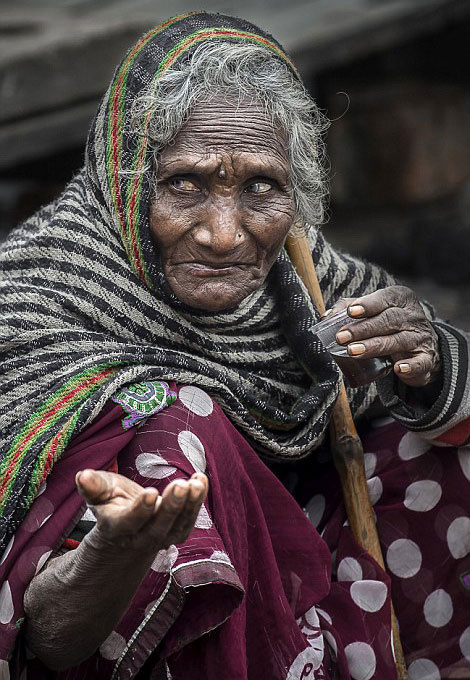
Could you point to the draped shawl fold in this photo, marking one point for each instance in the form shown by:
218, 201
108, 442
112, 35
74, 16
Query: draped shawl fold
85, 307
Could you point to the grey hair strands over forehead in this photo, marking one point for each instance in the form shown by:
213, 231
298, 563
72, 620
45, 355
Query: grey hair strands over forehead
237, 72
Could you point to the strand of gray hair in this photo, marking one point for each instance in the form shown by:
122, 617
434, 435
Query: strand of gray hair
243, 72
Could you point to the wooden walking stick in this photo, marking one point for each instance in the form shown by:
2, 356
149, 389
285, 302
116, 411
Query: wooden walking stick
347, 448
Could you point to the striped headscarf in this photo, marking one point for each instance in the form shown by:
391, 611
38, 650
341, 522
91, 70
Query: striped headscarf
86, 309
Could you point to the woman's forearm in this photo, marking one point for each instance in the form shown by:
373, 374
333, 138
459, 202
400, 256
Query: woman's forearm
75, 603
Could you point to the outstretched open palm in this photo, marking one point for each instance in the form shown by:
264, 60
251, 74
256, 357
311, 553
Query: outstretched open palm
133, 517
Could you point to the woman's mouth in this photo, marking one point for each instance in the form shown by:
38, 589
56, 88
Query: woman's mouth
208, 269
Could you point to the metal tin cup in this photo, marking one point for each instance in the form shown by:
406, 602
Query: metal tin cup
356, 370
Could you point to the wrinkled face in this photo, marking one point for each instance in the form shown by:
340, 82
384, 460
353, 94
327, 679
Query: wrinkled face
223, 206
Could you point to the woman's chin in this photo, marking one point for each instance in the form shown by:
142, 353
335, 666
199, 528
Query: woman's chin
214, 296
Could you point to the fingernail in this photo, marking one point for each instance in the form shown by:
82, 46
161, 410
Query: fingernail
180, 491
405, 368
343, 336
326, 313
195, 489
149, 499
356, 348
356, 310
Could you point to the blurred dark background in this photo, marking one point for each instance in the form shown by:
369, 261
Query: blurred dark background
392, 75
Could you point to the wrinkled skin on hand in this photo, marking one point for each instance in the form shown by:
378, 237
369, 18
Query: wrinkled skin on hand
140, 519
393, 324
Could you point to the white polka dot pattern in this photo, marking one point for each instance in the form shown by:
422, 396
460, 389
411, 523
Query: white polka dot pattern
165, 559
315, 509
42, 560
369, 595
324, 615
304, 664
411, 446
464, 460
423, 669
332, 643
150, 606
113, 646
458, 537
38, 515
404, 558
89, 515
361, 660
375, 488
153, 466
220, 556
464, 643
203, 521
370, 463
423, 495
438, 608
196, 401
349, 569
6, 604
311, 617
193, 449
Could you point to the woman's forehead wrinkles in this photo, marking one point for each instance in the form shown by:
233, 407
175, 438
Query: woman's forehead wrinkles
233, 162
248, 135
227, 127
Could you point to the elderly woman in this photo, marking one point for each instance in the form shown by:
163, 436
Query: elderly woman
155, 332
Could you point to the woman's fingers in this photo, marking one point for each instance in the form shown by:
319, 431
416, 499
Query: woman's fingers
376, 302
185, 521
130, 514
99, 486
127, 519
414, 371
95, 486
177, 511
391, 322
405, 342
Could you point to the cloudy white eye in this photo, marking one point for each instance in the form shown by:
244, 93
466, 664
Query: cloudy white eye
258, 188
182, 184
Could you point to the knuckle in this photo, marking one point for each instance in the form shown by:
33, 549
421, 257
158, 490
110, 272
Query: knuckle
420, 365
398, 296
394, 318
411, 340
363, 329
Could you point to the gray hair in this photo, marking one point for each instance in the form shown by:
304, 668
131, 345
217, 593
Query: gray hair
239, 72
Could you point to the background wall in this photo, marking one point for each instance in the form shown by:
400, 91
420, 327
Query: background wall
391, 74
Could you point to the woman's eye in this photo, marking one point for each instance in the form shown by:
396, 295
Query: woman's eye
258, 188
183, 184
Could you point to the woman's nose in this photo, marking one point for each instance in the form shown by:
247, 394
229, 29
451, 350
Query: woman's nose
220, 229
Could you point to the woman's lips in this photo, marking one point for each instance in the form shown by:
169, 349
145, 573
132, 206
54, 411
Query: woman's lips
205, 269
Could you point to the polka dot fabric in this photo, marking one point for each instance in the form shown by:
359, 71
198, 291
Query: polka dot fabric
255, 590
423, 519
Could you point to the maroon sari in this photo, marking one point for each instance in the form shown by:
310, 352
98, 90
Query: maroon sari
249, 594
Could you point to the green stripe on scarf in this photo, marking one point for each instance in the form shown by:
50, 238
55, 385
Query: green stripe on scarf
74, 392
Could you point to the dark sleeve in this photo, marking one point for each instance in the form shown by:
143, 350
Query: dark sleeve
443, 417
